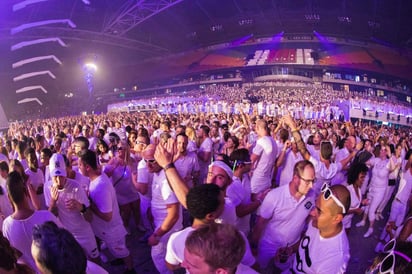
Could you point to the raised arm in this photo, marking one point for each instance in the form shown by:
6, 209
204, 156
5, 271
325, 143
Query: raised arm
288, 120
164, 157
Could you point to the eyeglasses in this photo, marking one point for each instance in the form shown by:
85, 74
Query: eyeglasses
140, 143
387, 265
150, 161
307, 181
327, 194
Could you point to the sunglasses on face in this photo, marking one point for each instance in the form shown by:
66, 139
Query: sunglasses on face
387, 265
327, 194
150, 161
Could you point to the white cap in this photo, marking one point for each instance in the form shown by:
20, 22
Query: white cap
57, 165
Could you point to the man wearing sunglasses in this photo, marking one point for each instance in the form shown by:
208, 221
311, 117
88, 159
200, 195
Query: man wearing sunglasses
282, 217
166, 213
325, 247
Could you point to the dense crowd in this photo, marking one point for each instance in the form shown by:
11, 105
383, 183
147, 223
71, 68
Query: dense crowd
266, 190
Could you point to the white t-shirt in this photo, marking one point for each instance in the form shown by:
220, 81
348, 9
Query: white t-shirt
322, 255
324, 174
144, 177
206, 146
355, 201
238, 195
287, 217
228, 215
162, 196
176, 246
286, 174
37, 180
72, 220
315, 153
19, 232
82, 180
186, 166
122, 181
261, 179
341, 176
102, 193
380, 172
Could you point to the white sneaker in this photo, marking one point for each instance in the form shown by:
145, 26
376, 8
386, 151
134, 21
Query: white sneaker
368, 233
361, 223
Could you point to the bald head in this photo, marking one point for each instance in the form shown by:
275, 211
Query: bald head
343, 195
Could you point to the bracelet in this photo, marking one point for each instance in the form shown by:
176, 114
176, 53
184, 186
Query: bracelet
170, 165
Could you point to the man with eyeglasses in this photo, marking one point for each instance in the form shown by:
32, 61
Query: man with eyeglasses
325, 247
282, 217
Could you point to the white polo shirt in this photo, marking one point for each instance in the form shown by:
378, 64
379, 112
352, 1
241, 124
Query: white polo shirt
286, 216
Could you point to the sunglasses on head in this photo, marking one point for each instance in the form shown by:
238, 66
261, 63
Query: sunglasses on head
327, 194
387, 265
240, 162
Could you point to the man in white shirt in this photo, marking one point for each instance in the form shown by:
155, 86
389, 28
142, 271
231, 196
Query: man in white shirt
349, 146
18, 227
263, 159
166, 211
282, 216
106, 221
68, 200
205, 151
205, 203
36, 176
325, 246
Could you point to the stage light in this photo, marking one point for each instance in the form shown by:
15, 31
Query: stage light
90, 67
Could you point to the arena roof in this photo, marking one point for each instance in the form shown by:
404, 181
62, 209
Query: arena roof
116, 34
